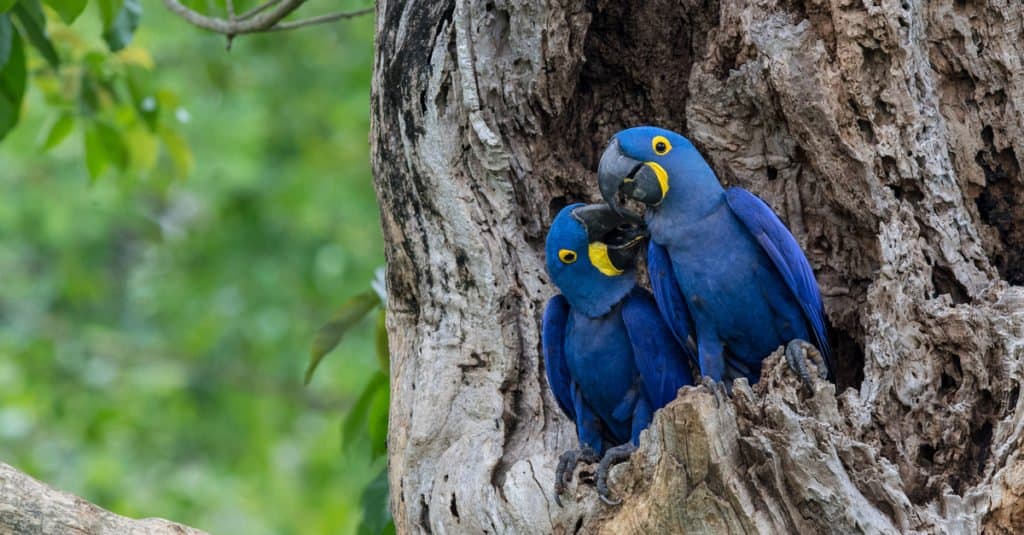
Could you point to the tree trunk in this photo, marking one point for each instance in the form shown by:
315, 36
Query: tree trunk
890, 138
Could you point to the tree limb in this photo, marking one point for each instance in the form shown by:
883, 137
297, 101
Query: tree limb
263, 18
29, 507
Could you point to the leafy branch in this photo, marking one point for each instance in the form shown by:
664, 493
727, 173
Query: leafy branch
367, 420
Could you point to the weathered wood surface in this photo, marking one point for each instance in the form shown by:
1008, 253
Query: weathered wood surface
889, 135
28, 507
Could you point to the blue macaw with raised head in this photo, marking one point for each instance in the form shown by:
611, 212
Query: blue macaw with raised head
611, 360
722, 264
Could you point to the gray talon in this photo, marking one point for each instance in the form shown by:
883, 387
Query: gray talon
611, 457
715, 388
798, 352
567, 467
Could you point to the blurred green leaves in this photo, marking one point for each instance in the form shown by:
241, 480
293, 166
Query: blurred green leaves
108, 93
367, 419
154, 330
12, 75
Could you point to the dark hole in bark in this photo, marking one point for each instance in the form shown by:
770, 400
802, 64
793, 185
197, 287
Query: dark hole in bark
945, 282
908, 190
982, 440
579, 525
424, 514
926, 453
1011, 399
867, 130
555, 205
453, 507
849, 359
1001, 206
947, 383
773, 173
638, 57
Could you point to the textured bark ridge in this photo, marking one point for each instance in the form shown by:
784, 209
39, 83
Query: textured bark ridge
28, 507
888, 135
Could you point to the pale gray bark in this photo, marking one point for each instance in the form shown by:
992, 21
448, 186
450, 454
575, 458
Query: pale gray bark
889, 135
28, 507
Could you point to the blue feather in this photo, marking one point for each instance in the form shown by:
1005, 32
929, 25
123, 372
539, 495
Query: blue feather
669, 299
663, 364
789, 259
553, 342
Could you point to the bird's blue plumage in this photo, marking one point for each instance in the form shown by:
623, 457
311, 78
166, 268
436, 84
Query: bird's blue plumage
662, 362
556, 316
722, 265
609, 357
776, 240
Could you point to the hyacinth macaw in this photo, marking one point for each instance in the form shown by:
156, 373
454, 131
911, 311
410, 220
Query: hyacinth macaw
722, 264
611, 360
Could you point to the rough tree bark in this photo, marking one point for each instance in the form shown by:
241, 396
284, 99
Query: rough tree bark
888, 134
28, 507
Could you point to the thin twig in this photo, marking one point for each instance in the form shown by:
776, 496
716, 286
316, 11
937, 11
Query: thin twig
257, 10
263, 18
257, 23
321, 19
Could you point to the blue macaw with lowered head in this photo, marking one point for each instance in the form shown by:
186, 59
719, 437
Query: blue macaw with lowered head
722, 265
611, 360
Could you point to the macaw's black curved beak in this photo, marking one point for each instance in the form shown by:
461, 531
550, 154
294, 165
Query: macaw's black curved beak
620, 173
620, 236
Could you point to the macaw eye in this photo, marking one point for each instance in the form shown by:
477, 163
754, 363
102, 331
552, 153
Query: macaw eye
661, 145
567, 256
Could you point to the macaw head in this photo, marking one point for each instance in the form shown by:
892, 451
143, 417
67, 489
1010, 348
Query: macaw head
591, 252
649, 164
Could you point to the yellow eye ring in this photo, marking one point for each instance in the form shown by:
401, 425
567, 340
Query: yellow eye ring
660, 145
567, 256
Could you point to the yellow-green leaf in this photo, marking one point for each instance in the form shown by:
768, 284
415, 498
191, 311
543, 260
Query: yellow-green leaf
356, 423
330, 334
69, 10
57, 130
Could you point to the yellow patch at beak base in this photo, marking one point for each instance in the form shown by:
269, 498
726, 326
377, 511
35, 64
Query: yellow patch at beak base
598, 252
662, 175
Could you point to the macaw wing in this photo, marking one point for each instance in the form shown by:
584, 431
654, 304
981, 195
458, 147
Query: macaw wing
669, 299
664, 366
556, 316
776, 240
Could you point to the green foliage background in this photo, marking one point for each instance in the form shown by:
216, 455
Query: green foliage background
164, 268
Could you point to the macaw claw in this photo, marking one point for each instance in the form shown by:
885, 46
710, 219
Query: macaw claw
719, 390
611, 457
798, 352
567, 467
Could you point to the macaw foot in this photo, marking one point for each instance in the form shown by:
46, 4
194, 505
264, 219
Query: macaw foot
798, 352
719, 390
567, 466
611, 457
